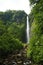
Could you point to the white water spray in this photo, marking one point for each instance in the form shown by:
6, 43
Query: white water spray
27, 30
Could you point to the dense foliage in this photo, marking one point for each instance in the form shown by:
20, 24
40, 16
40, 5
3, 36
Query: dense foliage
35, 51
12, 31
33, 1
15, 22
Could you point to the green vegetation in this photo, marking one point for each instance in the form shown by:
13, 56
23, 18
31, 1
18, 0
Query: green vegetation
35, 51
12, 31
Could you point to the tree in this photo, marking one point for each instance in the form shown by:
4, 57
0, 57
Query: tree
36, 41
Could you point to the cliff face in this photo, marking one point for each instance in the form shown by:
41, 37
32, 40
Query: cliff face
36, 32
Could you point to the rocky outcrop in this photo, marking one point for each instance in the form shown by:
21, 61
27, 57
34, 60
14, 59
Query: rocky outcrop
17, 58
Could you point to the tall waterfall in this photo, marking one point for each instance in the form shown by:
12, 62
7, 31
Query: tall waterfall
27, 30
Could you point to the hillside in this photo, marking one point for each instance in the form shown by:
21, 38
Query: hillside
12, 31
35, 50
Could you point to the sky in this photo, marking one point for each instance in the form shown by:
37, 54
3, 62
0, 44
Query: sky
15, 5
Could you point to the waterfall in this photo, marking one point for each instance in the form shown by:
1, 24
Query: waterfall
27, 30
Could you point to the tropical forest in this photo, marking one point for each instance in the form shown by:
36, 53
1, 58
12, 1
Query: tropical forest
21, 36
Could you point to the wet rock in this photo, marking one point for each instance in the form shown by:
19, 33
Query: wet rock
14, 63
19, 55
19, 62
27, 62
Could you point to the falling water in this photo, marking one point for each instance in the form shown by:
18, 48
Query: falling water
27, 30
